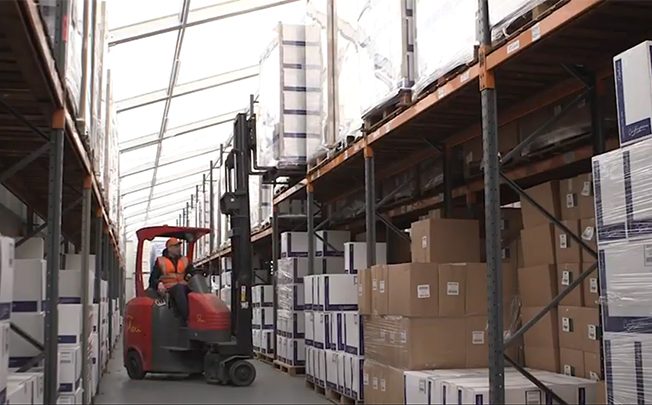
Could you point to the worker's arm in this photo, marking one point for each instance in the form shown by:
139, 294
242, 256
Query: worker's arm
154, 276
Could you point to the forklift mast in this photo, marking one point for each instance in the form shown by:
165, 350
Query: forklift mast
235, 203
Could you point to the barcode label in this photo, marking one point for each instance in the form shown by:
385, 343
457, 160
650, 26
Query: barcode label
593, 285
423, 291
533, 397
586, 189
513, 47
374, 382
563, 241
566, 324
568, 370
365, 379
381, 286
592, 332
383, 385
374, 284
647, 255
594, 376
571, 200
422, 385
403, 337
565, 277
535, 31
453, 288
477, 337
424, 242
588, 233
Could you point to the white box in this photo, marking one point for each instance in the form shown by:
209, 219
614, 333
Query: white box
320, 367
628, 361
355, 256
292, 270
104, 290
310, 374
19, 392
337, 292
610, 198
262, 318
4, 353
225, 296
638, 174
70, 323
310, 327
335, 370
255, 339
353, 333
290, 324
29, 288
262, 295
74, 262
29, 383
267, 341
335, 332
438, 390
573, 390
32, 248
70, 398
294, 244
331, 243
95, 317
322, 329
70, 287
329, 265
625, 275
226, 264
70, 364
20, 350
227, 278
416, 390
308, 292
281, 348
633, 77
37, 381
296, 352
290, 296
6, 276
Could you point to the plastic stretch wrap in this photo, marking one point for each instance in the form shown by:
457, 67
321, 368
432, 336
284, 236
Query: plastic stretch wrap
292, 270
288, 86
628, 367
290, 323
254, 200
374, 57
290, 296
266, 204
502, 13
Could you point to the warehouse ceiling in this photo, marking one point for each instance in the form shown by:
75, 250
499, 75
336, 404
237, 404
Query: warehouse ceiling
180, 71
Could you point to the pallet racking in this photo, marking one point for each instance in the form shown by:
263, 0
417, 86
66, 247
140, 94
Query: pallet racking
46, 164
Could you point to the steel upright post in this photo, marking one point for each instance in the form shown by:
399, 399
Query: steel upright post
370, 204
310, 224
491, 168
211, 211
275, 254
99, 257
86, 293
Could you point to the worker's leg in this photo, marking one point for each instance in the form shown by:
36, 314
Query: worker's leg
179, 294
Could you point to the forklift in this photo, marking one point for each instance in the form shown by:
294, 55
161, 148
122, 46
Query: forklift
216, 343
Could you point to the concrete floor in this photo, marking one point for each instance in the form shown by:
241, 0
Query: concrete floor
271, 387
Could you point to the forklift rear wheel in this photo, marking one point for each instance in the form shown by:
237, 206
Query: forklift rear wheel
242, 373
134, 366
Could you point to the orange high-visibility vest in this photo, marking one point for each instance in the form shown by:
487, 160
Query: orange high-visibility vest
170, 275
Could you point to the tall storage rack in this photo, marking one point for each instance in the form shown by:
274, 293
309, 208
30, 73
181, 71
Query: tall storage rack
45, 164
566, 52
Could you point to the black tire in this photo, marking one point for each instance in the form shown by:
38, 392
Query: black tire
134, 366
242, 373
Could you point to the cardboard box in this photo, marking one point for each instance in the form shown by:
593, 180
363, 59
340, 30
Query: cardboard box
566, 249
292, 270
592, 366
291, 296
332, 369
383, 384
19, 392
6, 276
610, 196
70, 286
308, 292
364, 292
600, 393
329, 265
20, 351
321, 326
379, 290
413, 289
591, 288
576, 197
544, 332
353, 376
294, 244
445, 241
633, 95
416, 343
511, 223
32, 248
542, 357
476, 299
337, 292
579, 329
70, 364
331, 243
566, 274
353, 333
262, 318
262, 295
371, 383
355, 256
310, 327
320, 367
70, 323
29, 288
572, 362
452, 289
538, 245
546, 195
477, 344
537, 285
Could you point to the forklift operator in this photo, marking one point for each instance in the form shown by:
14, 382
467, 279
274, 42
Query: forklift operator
168, 275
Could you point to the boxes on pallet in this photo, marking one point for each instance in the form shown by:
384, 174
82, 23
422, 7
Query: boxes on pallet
290, 324
355, 256
74, 262
70, 364
336, 292
262, 295
32, 248
633, 95
353, 333
267, 341
294, 244
19, 391
353, 379
319, 366
35, 380
70, 286
627, 365
70, 398
295, 354
365, 291
329, 265
6, 276
262, 318
29, 288
292, 270
310, 327
290, 296
20, 350
335, 370
70, 323
331, 243
445, 241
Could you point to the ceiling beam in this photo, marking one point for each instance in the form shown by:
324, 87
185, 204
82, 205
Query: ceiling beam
143, 169
185, 89
203, 16
148, 185
168, 194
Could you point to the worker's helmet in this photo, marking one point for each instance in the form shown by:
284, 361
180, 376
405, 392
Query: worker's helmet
172, 242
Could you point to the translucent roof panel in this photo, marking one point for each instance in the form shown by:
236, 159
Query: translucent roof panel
141, 121
123, 13
137, 159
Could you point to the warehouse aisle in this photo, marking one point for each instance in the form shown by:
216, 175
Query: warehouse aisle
270, 387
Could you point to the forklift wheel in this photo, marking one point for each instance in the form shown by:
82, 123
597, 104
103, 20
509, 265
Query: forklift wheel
134, 366
242, 373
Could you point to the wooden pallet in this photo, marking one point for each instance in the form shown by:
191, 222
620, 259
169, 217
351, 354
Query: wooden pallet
332, 395
387, 110
264, 357
290, 370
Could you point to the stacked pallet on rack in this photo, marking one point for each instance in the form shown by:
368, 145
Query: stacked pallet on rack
262, 321
623, 204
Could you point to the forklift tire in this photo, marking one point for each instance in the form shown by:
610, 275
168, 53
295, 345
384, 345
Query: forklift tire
134, 366
242, 373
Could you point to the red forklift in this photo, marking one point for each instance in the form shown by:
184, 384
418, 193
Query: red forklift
216, 342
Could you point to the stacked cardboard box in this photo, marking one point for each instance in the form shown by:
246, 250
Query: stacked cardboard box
262, 298
6, 292
623, 219
226, 266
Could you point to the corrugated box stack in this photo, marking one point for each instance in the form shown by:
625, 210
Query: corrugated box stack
262, 320
623, 204
226, 266
334, 325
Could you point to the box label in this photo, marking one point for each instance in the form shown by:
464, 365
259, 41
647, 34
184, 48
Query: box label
647, 255
594, 376
422, 385
513, 46
365, 379
565, 277
588, 233
477, 337
505, 253
592, 332
403, 337
381, 286
566, 324
423, 291
535, 31
563, 241
453, 288
593, 285
374, 284
533, 397
383, 385
586, 189
374, 383
568, 370
571, 200
424, 242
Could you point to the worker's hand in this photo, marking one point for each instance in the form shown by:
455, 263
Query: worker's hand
161, 288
